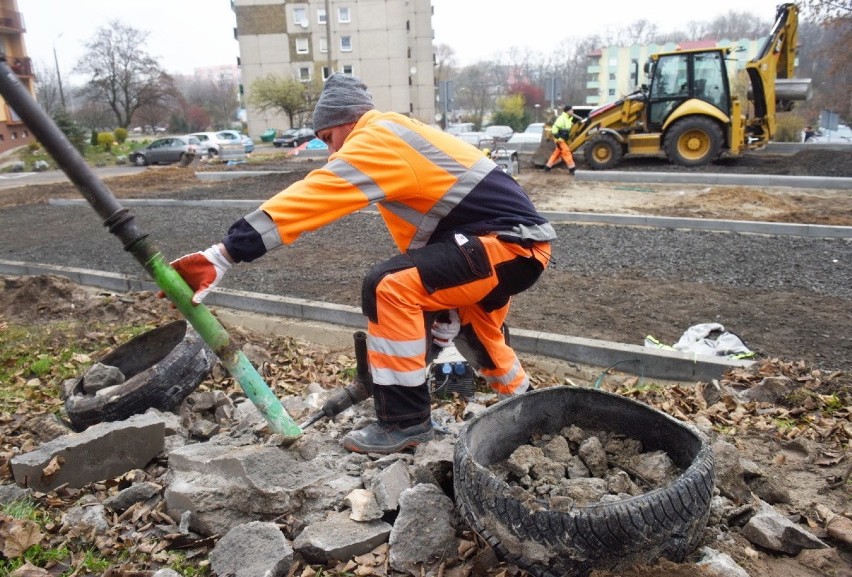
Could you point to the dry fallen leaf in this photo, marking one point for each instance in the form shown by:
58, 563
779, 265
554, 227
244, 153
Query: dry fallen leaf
20, 534
52, 467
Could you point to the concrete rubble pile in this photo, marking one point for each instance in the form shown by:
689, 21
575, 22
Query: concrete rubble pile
210, 479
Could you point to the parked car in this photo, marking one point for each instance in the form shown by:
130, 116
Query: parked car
534, 128
211, 142
500, 132
237, 136
506, 158
460, 128
166, 150
294, 137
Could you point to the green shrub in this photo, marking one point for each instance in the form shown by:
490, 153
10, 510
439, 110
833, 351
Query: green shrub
105, 140
789, 128
34, 147
120, 135
94, 139
72, 131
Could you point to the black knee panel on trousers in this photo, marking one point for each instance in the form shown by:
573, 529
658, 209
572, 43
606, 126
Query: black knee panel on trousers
402, 406
374, 277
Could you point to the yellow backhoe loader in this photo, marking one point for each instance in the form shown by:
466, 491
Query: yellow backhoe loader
689, 112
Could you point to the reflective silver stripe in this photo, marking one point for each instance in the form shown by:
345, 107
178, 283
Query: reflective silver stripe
537, 232
396, 348
467, 179
358, 179
265, 227
406, 379
507, 378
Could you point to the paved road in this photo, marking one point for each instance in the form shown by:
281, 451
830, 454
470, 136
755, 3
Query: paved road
15, 179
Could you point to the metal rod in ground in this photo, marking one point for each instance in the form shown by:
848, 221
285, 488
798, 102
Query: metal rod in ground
121, 223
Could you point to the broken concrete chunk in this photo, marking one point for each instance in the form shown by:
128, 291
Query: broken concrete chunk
137, 493
423, 534
363, 505
101, 452
101, 376
340, 538
771, 530
252, 549
389, 484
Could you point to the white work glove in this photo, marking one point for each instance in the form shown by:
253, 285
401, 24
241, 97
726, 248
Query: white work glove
443, 333
202, 271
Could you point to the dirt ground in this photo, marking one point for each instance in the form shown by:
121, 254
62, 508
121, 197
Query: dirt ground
810, 459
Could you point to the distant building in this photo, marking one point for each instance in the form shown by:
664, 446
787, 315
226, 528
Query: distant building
615, 71
13, 132
227, 72
386, 43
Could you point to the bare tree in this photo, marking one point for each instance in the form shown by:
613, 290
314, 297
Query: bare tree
48, 94
121, 73
445, 61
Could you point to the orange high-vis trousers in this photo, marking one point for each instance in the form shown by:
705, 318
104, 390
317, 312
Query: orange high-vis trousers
475, 275
561, 151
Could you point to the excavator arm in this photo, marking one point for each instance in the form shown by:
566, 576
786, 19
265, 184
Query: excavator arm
767, 71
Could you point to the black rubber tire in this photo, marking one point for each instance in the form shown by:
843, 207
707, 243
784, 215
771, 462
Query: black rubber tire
666, 522
693, 141
161, 368
603, 151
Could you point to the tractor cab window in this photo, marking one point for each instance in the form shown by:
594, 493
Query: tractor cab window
710, 81
669, 86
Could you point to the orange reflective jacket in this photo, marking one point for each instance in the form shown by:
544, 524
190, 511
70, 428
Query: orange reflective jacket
426, 184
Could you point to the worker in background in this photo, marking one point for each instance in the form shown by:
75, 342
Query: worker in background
561, 130
469, 235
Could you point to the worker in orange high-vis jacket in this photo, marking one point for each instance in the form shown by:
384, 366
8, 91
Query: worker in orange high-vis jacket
469, 237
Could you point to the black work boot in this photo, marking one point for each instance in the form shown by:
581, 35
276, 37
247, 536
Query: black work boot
404, 421
385, 438
571, 170
546, 168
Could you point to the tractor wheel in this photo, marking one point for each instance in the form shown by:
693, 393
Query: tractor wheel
693, 141
667, 521
603, 151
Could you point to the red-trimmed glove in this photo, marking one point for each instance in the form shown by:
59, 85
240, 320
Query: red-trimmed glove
446, 329
202, 271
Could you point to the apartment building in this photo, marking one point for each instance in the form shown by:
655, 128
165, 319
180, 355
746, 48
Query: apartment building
386, 43
616, 71
13, 132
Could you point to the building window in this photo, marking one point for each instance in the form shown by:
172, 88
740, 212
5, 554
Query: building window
348, 69
300, 17
611, 92
612, 76
323, 45
301, 45
305, 74
325, 73
613, 61
346, 43
343, 15
321, 15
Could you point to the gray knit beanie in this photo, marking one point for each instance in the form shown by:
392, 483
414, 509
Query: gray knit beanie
344, 99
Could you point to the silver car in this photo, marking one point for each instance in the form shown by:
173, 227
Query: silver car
166, 150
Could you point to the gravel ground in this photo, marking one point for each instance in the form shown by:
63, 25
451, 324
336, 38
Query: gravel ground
788, 297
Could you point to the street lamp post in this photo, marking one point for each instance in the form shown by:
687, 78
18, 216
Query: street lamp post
58, 75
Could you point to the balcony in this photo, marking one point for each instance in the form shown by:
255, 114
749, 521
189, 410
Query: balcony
11, 21
21, 66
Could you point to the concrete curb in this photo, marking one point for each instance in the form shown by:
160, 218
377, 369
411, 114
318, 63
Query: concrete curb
743, 226
644, 361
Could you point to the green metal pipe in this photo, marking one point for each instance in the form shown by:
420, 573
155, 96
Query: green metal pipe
120, 223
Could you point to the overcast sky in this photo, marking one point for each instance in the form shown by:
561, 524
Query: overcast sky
185, 34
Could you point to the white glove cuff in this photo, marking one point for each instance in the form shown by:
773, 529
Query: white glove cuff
215, 256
